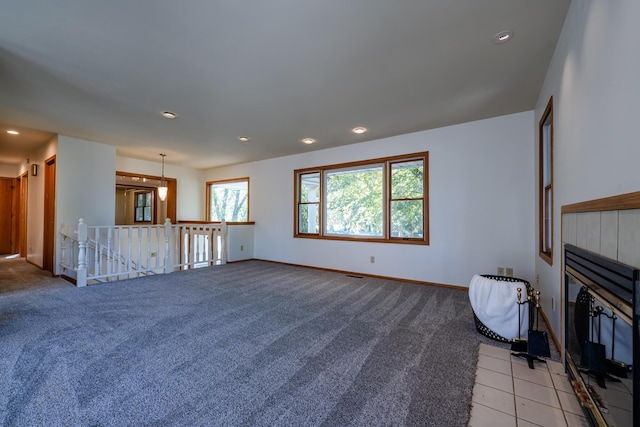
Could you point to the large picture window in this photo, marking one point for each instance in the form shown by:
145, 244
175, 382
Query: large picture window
228, 200
382, 200
545, 189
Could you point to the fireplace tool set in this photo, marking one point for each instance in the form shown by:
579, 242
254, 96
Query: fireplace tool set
594, 360
537, 343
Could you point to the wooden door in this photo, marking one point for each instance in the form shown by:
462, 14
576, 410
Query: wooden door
6, 211
48, 249
24, 185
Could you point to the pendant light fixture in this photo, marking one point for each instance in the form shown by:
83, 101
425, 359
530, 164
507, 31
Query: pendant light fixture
162, 189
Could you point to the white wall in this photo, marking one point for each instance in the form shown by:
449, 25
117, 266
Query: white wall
35, 200
481, 205
190, 185
593, 78
9, 171
85, 183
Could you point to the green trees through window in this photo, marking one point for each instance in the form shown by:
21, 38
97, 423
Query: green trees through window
377, 200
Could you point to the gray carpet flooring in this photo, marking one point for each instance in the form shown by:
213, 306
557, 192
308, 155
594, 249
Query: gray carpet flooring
245, 344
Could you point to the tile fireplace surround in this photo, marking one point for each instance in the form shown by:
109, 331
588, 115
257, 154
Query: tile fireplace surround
609, 228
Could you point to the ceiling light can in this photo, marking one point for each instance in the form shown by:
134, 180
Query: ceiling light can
243, 138
502, 37
359, 129
308, 140
13, 132
169, 115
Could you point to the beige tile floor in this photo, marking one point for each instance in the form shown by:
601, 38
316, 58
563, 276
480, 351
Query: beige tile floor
507, 393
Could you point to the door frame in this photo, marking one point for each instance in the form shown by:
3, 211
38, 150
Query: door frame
49, 230
24, 194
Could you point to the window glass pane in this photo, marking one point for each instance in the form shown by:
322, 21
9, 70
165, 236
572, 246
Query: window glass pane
407, 180
147, 213
547, 219
309, 187
147, 201
354, 201
406, 219
309, 219
139, 217
229, 201
546, 155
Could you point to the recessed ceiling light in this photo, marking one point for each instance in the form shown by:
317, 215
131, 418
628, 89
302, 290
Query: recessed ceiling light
169, 115
359, 130
243, 138
502, 36
13, 132
308, 140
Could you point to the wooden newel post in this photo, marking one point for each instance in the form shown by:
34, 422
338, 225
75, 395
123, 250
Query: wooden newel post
82, 254
167, 246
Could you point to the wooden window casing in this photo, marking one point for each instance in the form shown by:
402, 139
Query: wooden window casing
545, 186
229, 182
395, 228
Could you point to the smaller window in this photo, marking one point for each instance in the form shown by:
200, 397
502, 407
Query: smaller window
407, 199
143, 206
545, 187
228, 200
309, 203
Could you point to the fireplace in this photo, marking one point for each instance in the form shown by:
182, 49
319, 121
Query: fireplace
602, 336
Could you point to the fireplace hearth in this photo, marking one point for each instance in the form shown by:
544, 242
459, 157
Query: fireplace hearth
602, 336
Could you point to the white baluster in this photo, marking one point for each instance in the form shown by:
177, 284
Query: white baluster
96, 260
214, 243
191, 246
157, 264
129, 267
81, 280
119, 252
109, 250
167, 246
63, 245
139, 262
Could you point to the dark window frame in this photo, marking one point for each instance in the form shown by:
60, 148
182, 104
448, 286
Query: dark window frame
144, 206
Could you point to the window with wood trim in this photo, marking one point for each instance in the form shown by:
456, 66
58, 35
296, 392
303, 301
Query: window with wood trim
545, 187
228, 200
379, 200
143, 208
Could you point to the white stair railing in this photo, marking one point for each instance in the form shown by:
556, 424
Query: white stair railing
111, 253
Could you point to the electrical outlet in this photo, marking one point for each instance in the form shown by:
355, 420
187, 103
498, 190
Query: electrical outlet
508, 272
373, 259
154, 254
241, 248
500, 271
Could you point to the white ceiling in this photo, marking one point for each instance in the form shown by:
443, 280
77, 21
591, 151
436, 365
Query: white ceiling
276, 71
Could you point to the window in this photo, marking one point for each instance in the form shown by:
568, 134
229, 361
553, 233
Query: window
228, 200
545, 189
143, 206
381, 200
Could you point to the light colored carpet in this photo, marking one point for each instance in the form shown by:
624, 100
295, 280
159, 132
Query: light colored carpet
246, 344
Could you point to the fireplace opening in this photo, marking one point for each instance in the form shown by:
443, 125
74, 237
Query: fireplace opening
602, 336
